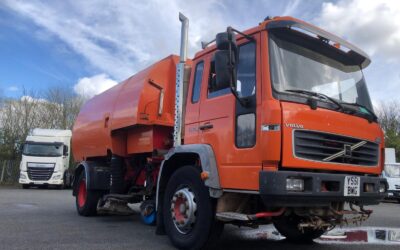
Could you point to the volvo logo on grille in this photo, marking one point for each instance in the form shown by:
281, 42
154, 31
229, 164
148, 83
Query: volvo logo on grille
294, 125
346, 152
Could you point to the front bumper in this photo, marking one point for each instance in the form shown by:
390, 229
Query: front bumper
393, 194
273, 189
51, 181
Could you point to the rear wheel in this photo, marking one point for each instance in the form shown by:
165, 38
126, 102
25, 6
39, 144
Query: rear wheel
288, 227
189, 211
86, 200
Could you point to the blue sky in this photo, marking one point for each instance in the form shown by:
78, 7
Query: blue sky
89, 46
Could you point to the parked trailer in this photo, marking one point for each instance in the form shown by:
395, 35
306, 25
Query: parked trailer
272, 125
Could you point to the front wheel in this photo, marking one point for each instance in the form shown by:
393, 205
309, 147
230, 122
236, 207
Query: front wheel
26, 186
86, 200
189, 211
288, 227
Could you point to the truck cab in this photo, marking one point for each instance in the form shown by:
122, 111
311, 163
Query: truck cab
45, 158
391, 173
300, 110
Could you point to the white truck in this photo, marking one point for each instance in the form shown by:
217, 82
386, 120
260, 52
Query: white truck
45, 158
392, 174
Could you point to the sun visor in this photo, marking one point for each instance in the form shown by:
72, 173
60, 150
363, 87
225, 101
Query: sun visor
356, 54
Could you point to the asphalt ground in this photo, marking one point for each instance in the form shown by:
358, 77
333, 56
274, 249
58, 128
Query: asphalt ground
47, 219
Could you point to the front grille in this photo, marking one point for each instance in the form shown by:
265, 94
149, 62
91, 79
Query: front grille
40, 174
397, 186
319, 146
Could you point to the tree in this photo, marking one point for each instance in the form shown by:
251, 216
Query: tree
389, 119
63, 107
58, 110
17, 118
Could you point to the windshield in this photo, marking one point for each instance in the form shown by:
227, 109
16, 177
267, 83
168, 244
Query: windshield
295, 67
42, 149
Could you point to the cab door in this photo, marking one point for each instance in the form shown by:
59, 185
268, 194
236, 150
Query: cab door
231, 128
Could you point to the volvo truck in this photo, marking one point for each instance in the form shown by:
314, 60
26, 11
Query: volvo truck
270, 125
46, 159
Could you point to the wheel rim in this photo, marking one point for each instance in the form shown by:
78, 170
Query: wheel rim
183, 210
82, 193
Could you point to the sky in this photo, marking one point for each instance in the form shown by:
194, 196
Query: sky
89, 46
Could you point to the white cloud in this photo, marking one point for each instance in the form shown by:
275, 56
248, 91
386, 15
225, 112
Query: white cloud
91, 86
122, 37
28, 98
373, 25
13, 89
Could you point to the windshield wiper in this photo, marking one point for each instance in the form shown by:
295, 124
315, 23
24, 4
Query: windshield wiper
316, 94
370, 112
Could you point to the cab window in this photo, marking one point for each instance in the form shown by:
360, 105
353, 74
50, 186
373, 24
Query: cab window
198, 75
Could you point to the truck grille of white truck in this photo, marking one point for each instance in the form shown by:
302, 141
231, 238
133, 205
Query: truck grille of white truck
325, 147
40, 174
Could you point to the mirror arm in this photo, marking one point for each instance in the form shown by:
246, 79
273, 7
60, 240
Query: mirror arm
241, 33
243, 102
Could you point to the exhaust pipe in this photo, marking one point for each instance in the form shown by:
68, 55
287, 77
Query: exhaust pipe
184, 37
180, 71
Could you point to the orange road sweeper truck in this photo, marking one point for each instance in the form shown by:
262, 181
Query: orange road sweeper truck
270, 125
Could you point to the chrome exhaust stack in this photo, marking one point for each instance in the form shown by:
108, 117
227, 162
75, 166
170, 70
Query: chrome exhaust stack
180, 74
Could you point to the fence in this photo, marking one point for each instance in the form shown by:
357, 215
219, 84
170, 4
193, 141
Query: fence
9, 171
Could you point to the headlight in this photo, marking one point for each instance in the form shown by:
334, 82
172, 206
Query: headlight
56, 177
294, 184
22, 176
382, 188
392, 170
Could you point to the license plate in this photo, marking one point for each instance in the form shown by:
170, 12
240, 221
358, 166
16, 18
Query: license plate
352, 186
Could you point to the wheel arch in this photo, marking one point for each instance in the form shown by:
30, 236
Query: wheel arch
97, 176
184, 155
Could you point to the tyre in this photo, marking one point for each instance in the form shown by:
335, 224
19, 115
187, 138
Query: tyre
65, 182
189, 212
288, 227
86, 200
26, 186
398, 200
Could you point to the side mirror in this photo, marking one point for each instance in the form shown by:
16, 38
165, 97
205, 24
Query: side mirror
225, 61
65, 150
21, 147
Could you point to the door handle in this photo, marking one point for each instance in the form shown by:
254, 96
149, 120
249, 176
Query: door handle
106, 121
206, 126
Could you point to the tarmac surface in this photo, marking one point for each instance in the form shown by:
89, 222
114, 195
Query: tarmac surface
47, 219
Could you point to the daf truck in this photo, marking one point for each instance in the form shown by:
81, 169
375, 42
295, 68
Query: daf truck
45, 158
392, 174
270, 125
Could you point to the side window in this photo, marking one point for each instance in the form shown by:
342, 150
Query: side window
246, 130
198, 76
246, 73
246, 70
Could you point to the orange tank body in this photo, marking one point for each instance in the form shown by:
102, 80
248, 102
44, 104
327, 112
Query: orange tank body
135, 116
